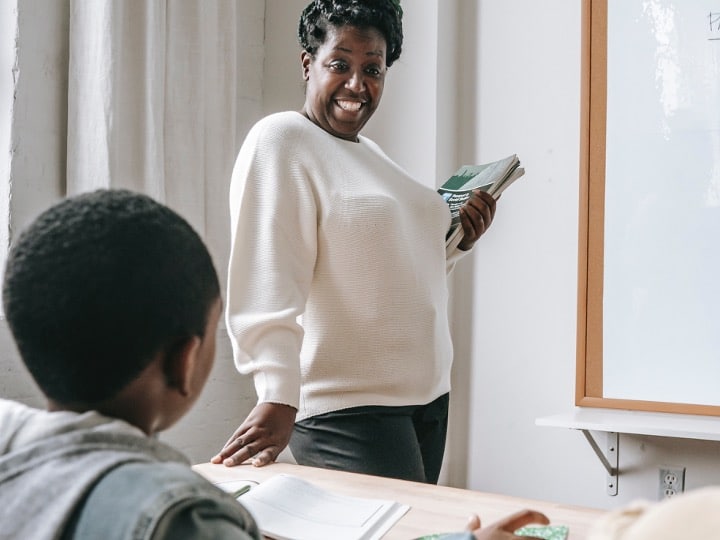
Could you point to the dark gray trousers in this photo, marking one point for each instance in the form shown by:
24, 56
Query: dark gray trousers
396, 442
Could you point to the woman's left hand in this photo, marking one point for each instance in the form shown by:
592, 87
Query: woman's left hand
476, 215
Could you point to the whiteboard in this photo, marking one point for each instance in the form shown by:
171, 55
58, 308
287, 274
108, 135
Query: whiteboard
661, 284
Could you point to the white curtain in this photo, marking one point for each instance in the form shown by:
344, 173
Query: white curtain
153, 100
150, 95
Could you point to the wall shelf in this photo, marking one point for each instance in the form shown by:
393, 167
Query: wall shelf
614, 422
681, 426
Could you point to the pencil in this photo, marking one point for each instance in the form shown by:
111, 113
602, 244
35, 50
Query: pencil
242, 491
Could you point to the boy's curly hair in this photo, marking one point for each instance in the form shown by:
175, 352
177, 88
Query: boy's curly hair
100, 283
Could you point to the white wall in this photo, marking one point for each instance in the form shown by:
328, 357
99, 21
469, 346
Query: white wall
39, 112
528, 102
32, 133
7, 88
526, 275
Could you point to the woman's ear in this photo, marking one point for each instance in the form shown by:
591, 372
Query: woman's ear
180, 364
305, 61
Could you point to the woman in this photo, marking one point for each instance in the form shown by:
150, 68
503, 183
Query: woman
326, 228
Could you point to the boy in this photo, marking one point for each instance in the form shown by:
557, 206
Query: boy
113, 302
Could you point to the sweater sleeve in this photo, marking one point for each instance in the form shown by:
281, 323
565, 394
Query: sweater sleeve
274, 230
452, 258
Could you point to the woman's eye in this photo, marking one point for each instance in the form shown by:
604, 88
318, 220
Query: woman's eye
375, 72
338, 66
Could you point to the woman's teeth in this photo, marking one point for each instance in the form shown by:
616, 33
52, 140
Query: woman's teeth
353, 106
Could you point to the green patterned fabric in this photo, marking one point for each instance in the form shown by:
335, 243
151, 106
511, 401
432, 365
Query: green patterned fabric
550, 532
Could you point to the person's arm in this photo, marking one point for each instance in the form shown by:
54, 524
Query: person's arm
274, 235
476, 216
262, 436
503, 529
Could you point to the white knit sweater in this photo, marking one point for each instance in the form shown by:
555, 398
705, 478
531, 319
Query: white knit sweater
337, 289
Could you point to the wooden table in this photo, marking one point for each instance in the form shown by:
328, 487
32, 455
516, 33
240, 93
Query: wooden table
433, 509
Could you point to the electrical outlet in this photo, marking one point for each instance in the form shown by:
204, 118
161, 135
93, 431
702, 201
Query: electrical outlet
672, 482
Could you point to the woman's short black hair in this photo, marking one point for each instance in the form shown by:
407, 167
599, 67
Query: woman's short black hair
99, 284
383, 15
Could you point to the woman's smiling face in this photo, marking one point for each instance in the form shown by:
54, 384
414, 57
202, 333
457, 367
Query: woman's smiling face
345, 80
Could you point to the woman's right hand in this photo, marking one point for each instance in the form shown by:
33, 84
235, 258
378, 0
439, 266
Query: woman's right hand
505, 528
261, 437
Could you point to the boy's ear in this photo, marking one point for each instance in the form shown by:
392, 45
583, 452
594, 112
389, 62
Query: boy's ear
180, 363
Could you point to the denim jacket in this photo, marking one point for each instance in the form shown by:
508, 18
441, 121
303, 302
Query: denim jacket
66, 475
148, 501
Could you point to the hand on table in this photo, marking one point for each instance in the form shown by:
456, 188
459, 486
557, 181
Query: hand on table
476, 215
262, 436
504, 529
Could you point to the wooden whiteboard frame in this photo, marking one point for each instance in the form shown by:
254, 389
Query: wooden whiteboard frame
589, 369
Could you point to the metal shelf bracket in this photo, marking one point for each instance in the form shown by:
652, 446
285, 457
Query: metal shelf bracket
609, 461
